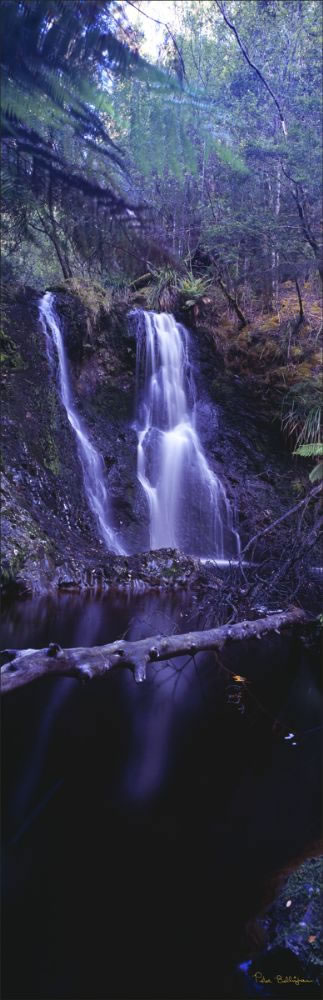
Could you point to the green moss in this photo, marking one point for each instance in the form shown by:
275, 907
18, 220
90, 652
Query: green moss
297, 913
9, 354
296, 352
52, 463
298, 487
92, 295
12, 565
49, 441
51, 460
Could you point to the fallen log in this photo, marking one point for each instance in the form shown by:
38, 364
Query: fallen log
24, 666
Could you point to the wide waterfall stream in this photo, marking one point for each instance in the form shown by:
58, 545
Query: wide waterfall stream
91, 460
188, 506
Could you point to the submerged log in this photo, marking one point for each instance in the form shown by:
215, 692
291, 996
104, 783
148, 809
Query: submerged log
24, 666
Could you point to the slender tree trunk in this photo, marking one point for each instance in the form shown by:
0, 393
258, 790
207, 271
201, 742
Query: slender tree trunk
300, 202
53, 234
300, 317
276, 252
67, 272
268, 252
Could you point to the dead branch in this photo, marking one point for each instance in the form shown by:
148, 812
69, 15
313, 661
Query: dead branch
310, 496
24, 666
232, 302
297, 553
300, 202
251, 64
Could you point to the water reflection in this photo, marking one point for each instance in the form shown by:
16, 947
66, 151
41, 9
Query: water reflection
78, 620
133, 812
94, 619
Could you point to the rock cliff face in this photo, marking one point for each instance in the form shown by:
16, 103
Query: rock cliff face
48, 532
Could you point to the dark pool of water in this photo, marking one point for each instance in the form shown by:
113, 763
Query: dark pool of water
141, 824
78, 620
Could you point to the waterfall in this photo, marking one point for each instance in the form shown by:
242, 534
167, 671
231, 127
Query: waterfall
188, 506
91, 460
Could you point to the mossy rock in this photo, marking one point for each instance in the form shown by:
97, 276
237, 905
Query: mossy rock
91, 294
295, 919
9, 354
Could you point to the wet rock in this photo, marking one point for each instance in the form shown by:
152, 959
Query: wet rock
163, 568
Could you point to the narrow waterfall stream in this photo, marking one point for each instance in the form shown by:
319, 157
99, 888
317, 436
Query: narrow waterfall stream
188, 506
91, 460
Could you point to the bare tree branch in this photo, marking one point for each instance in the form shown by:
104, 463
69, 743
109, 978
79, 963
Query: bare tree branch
232, 302
163, 25
24, 666
300, 202
310, 496
297, 553
251, 64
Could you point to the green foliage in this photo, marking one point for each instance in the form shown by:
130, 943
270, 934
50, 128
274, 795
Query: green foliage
317, 473
309, 450
161, 291
194, 287
199, 159
313, 450
192, 290
232, 193
93, 296
9, 354
301, 414
232, 159
57, 62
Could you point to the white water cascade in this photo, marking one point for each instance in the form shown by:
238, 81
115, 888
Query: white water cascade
91, 460
188, 506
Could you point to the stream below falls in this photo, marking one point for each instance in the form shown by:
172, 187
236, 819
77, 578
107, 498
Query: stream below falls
143, 824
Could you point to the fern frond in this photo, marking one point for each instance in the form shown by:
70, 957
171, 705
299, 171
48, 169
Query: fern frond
309, 450
317, 473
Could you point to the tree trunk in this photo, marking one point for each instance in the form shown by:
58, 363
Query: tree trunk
300, 318
300, 202
67, 273
269, 257
276, 252
24, 666
53, 235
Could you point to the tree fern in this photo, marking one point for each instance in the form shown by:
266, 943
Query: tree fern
55, 59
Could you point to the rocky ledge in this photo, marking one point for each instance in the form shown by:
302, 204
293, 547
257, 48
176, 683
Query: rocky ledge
47, 571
